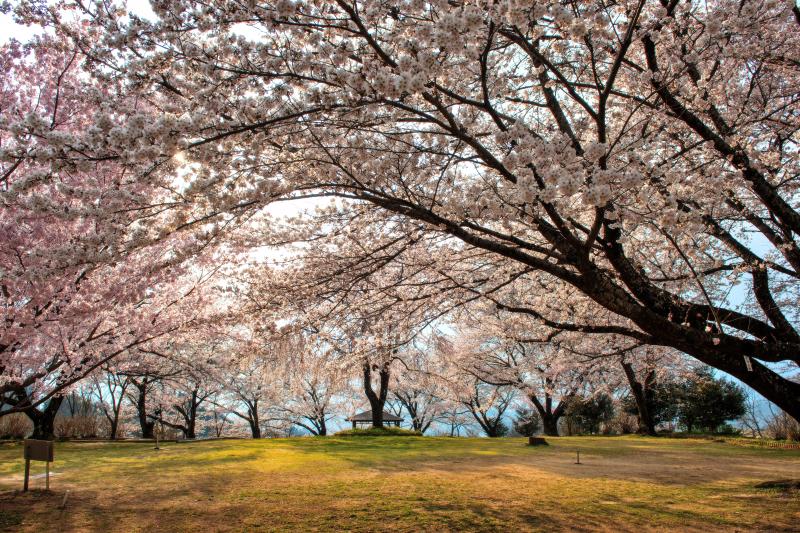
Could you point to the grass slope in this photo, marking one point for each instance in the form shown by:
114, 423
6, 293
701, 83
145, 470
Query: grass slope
378, 432
405, 484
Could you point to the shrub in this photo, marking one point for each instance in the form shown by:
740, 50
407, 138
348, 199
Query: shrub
783, 427
104, 428
623, 423
728, 429
587, 415
527, 422
501, 429
15, 426
77, 427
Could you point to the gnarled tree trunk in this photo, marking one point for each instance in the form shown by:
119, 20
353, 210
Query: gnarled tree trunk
642, 394
549, 415
145, 423
44, 420
376, 400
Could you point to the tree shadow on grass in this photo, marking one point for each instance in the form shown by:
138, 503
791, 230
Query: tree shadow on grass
670, 466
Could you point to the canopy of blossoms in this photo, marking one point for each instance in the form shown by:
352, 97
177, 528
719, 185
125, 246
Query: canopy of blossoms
625, 169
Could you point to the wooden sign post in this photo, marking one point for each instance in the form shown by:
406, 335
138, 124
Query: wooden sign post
37, 450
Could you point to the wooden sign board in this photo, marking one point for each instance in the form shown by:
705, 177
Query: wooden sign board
37, 450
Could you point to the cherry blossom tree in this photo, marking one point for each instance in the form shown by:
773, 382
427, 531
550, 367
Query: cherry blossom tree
455, 418
612, 363
420, 396
252, 380
82, 283
418, 388
486, 403
145, 374
190, 391
317, 380
108, 390
638, 158
220, 417
545, 365
192, 363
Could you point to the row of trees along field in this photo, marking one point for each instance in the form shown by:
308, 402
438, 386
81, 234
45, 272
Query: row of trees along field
184, 391
245, 206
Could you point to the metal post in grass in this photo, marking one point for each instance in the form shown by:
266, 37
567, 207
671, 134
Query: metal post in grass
578, 457
64, 500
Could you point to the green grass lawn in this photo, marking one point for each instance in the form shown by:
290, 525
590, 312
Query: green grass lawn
405, 484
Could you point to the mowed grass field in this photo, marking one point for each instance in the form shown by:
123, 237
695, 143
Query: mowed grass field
404, 484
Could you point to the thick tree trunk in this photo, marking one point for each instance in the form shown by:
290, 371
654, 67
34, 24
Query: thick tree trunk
377, 413
255, 423
781, 391
737, 357
43, 428
113, 420
44, 421
641, 393
376, 401
323, 429
549, 424
191, 419
549, 416
492, 431
147, 426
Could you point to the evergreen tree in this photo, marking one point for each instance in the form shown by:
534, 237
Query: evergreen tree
586, 415
527, 422
706, 402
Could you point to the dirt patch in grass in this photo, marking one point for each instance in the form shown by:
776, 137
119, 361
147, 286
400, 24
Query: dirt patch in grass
20, 511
